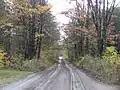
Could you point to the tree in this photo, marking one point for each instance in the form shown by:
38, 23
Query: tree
101, 13
80, 31
26, 27
90, 23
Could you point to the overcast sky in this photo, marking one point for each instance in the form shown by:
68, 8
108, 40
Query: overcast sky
58, 7
62, 5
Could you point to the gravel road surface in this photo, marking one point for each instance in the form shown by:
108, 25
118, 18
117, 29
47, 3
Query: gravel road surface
59, 77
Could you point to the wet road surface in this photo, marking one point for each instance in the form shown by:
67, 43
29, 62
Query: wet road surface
59, 77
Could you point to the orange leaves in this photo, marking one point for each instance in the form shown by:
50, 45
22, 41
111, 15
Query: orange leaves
89, 31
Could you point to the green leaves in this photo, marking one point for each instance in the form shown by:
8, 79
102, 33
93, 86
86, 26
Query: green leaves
23, 29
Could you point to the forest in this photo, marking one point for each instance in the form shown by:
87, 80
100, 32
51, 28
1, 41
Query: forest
28, 34
93, 38
30, 37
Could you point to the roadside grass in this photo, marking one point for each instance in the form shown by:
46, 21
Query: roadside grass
9, 75
98, 69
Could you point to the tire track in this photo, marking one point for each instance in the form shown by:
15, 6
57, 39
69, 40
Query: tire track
29, 84
36, 83
76, 81
59, 82
42, 85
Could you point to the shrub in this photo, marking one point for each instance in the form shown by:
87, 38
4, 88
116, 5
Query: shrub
106, 68
90, 64
49, 57
110, 55
112, 64
30, 65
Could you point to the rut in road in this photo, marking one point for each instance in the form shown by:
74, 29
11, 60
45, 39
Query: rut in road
77, 82
49, 79
41, 80
59, 77
61, 82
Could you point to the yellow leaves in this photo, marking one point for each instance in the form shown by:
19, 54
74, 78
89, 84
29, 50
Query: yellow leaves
32, 10
43, 8
110, 55
6, 24
39, 9
111, 58
9, 24
1, 55
3, 19
37, 35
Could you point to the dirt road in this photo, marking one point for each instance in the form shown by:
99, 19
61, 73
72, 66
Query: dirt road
59, 77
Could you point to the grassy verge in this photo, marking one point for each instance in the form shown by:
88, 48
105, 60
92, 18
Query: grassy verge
99, 70
10, 75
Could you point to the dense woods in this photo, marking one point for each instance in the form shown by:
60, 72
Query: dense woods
27, 28
92, 24
29, 36
93, 38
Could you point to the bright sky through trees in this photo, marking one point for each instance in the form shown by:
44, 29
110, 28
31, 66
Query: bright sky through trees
58, 7
62, 5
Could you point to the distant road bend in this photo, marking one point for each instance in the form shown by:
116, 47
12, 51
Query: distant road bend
59, 77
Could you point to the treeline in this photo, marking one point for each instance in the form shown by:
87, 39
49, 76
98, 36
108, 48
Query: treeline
27, 28
94, 26
93, 38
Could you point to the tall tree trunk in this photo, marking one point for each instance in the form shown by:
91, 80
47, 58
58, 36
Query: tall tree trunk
31, 47
99, 41
39, 41
100, 46
87, 45
104, 35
